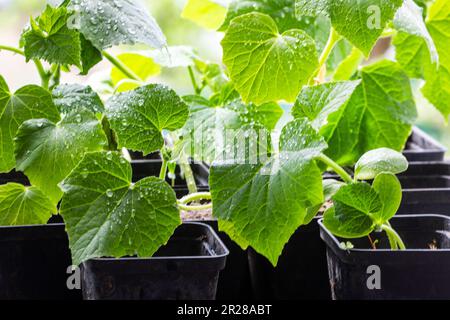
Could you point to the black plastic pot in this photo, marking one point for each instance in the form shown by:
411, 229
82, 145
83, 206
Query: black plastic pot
33, 263
426, 188
234, 280
147, 168
421, 147
187, 268
301, 273
416, 273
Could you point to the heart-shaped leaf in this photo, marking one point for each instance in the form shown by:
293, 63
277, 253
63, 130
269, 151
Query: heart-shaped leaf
263, 204
70, 98
138, 117
265, 65
21, 206
29, 102
389, 190
47, 152
108, 216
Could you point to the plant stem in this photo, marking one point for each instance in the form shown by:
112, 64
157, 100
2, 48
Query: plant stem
395, 237
121, 66
336, 168
45, 77
194, 82
189, 176
163, 172
182, 203
333, 39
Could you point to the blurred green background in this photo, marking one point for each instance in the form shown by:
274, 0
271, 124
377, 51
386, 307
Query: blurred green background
14, 14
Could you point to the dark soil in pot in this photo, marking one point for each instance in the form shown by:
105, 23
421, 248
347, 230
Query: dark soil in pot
420, 272
301, 273
422, 147
187, 268
34, 262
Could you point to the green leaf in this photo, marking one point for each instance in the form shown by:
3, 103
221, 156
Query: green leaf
49, 38
109, 216
70, 98
209, 14
409, 20
21, 206
120, 22
318, 103
348, 67
281, 11
379, 114
27, 103
379, 161
265, 65
144, 67
47, 152
361, 22
138, 117
90, 56
412, 54
351, 216
263, 204
389, 190
204, 135
437, 87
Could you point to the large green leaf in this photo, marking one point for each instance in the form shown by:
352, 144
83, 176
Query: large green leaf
379, 114
318, 103
361, 22
29, 102
109, 216
21, 205
409, 20
138, 117
351, 216
109, 23
209, 14
265, 65
49, 38
437, 87
263, 204
47, 152
70, 98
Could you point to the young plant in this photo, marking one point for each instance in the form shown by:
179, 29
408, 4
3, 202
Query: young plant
311, 53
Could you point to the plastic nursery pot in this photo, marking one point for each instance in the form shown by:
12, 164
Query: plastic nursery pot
421, 147
420, 272
426, 188
234, 279
301, 273
14, 176
148, 168
34, 262
187, 268
140, 156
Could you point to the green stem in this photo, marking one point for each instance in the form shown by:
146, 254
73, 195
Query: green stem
189, 176
183, 202
336, 168
163, 172
194, 82
45, 77
333, 39
395, 237
121, 66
